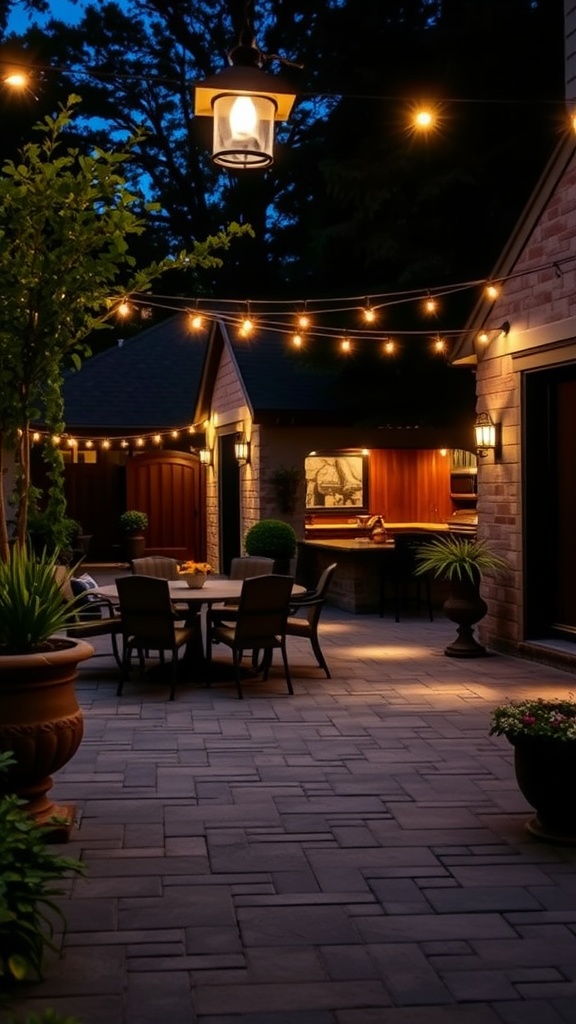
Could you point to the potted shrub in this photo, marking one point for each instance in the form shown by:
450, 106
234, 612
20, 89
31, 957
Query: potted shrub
40, 720
462, 562
133, 523
543, 734
272, 538
29, 873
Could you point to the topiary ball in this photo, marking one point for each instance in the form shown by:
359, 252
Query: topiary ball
271, 538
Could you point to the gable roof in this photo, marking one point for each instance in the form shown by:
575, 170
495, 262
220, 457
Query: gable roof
147, 382
464, 351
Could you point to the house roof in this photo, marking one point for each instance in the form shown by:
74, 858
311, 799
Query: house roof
147, 382
464, 350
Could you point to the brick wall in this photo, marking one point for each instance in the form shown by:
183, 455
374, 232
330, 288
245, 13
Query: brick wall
541, 296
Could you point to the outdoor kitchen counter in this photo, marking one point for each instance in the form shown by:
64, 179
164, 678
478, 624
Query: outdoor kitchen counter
362, 566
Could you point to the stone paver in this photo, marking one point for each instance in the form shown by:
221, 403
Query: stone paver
354, 854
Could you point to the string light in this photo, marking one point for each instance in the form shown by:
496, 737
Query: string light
16, 80
492, 291
389, 347
304, 321
106, 444
196, 321
439, 345
297, 340
345, 345
483, 338
124, 309
430, 305
424, 119
368, 313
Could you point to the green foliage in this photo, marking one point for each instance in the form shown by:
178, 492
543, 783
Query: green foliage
66, 222
550, 719
45, 1017
28, 871
458, 558
271, 538
133, 520
31, 605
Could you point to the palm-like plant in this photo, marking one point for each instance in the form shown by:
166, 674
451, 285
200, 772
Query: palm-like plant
32, 607
458, 558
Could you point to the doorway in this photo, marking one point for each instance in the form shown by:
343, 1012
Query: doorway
229, 502
550, 502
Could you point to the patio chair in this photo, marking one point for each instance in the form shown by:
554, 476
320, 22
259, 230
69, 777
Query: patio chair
160, 566
259, 625
407, 587
311, 604
95, 615
149, 623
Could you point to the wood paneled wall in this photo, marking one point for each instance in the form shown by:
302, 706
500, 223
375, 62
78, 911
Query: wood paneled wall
410, 485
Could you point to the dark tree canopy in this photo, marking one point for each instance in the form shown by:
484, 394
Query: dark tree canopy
354, 202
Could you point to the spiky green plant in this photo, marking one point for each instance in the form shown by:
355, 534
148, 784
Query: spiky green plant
32, 608
458, 558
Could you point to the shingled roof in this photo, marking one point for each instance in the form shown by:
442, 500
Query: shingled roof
147, 382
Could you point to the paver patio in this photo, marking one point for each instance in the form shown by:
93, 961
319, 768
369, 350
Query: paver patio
354, 854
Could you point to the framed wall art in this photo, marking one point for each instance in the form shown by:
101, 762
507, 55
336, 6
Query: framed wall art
336, 482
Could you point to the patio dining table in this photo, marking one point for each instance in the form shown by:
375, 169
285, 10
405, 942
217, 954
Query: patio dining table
214, 591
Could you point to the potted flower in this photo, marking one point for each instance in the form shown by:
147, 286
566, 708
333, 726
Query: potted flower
40, 720
195, 573
543, 734
462, 561
133, 523
272, 538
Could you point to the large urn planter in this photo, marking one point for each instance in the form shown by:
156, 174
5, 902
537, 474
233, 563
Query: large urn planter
465, 607
545, 772
41, 723
543, 734
462, 562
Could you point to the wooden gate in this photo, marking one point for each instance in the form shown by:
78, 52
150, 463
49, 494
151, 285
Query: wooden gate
169, 487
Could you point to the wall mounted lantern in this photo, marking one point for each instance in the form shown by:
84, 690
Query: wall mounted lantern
205, 456
242, 450
244, 101
487, 435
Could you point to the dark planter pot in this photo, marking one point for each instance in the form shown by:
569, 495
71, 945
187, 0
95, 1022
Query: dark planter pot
465, 607
134, 546
545, 772
41, 723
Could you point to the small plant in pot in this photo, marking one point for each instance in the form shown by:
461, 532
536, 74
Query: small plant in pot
133, 523
543, 734
462, 561
272, 538
40, 720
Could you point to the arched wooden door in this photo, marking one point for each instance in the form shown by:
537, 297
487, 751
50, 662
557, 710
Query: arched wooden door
169, 487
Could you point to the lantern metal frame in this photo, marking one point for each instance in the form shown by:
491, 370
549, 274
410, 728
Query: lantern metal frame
242, 450
487, 435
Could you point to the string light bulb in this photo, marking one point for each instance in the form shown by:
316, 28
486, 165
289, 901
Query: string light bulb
368, 313
492, 291
124, 309
297, 340
389, 347
483, 338
196, 321
424, 119
247, 327
345, 345
439, 345
430, 305
304, 321
16, 80
106, 444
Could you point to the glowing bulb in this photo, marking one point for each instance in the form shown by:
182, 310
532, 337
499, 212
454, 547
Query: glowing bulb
56, 439
430, 305
124, 443
89, 444
345, 345
243, 118
573, 121
124, 309
106, 444
139, 442
369, 314
157, 439
492, 291
297, 340
175, 434
17, 80
389, 347
483, 338
35, 437
304, 321
443, 452
439, 345
246, 327
72, 442
196, 321
424, 119
191, 430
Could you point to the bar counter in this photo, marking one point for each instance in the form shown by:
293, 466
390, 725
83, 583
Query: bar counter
362, 565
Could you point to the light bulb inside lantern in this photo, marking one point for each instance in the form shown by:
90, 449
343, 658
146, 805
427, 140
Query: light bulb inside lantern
243, 118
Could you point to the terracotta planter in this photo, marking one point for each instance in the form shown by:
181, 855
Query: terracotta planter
545, 772
41, 723
465, 607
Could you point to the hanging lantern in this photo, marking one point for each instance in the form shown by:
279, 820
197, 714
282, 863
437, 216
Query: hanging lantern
244, 102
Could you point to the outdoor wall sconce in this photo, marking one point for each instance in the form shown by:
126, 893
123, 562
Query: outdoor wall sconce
205, 456
244, 101
487, 435
242, 450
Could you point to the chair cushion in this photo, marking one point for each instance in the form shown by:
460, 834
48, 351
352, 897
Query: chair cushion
80, 586
298, 627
